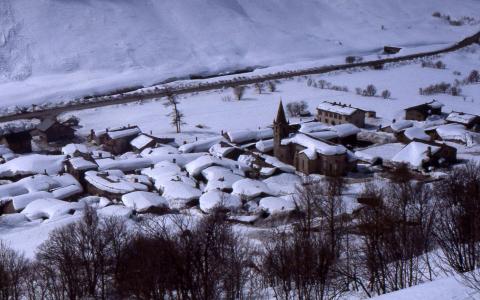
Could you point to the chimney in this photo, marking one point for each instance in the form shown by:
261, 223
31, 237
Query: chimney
429, 151
174, 160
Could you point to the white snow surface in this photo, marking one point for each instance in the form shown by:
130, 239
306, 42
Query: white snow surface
215, 198
274, 205
49, 52
32, 164
416, 133
50, 208
250, 188
142, 201
414, 154
219, 178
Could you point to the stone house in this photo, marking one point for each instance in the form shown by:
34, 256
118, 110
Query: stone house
469, 120
423, 111
50, 130
337, 113
18, 142
306, 153
116, 141
143, 141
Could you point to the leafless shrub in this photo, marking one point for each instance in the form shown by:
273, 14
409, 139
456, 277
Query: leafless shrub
353, 59
370, 91
259, 87
272, 87
238, 92
297, 108
386, 94
440, 88
177, 117
436, 65
226, 98
473, 77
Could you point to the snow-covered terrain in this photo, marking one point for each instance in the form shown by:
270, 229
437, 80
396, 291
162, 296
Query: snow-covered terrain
57, 50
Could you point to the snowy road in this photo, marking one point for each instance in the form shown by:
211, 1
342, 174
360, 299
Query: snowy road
220, 84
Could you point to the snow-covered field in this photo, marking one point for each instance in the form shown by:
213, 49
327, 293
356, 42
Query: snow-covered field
210, 109
59, 50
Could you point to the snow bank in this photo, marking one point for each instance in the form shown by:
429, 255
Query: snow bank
115, 211
216, 198
18, 126
143, 201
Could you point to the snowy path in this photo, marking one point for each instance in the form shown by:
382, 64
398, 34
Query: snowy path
219, 84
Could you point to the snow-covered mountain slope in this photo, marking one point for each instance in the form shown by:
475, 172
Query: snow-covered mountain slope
58, 49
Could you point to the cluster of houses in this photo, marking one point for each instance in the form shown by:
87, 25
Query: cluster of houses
246, 170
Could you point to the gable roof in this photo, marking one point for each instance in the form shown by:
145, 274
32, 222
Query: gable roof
46, 124
434, 104
461, 117
338, 108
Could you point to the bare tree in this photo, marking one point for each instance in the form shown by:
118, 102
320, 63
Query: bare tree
259, 87
238, 92
14, 268
386, 94
272, 87
177, 117
458, 226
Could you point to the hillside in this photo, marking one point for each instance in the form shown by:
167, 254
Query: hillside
53, 50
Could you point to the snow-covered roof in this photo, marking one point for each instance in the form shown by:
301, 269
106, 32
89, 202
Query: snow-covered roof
435, 104
201, 145
115, 211
415, 154
401, 125
334, 107
221, 150
246, 135
314, 146
142, 201
274, 205
162, 150
460, 117
264, 145
113, 182
219, 178
385, 152
18, 126
324, 135
81, 164
126, 165
250, 188
123, 132
177, 192
32, 164
344, 130
195, 167
313, 127
283, 184
141, 141
416, 133
453, 132
71, 149
216, 198
50, 208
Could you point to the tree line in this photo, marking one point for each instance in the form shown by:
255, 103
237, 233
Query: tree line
406, 232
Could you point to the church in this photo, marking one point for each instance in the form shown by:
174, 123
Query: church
308, 154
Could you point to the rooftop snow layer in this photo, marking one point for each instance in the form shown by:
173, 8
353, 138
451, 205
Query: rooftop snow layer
314, 146
113, 182
32, 164
460, 117
415, 154
141, 141
141, 201
81, 164
385, 152
71, 149
216, 198
416, 133
341, 109
344, 130
246, 135
401, 125
18, 126
201, 145
127, 132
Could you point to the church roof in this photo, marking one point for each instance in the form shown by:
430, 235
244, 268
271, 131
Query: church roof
281, 118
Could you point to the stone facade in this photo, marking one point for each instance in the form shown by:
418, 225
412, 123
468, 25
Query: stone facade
336, 113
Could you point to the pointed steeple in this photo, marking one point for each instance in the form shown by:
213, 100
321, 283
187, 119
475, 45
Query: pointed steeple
281, 119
